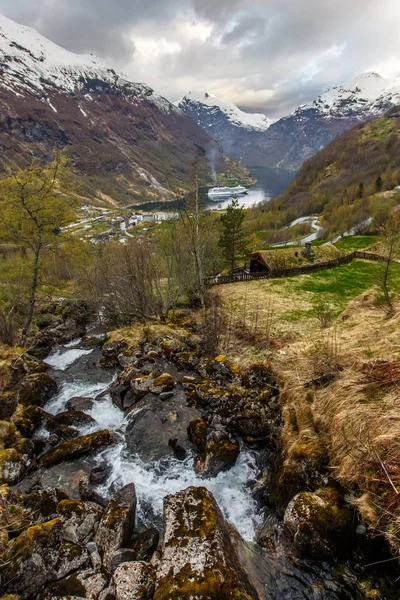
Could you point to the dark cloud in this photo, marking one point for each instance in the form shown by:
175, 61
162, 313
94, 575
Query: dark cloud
268, 55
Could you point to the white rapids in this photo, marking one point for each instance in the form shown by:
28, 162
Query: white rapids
61, 360
157, 479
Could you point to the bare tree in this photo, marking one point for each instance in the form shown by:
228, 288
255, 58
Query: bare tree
387, 222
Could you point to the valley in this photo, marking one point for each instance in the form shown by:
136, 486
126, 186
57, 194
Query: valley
199, 392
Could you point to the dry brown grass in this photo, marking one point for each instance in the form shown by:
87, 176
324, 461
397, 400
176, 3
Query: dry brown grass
357, 416
350, 416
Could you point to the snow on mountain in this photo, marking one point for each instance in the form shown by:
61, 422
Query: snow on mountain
214, 106
356, 96
30, 63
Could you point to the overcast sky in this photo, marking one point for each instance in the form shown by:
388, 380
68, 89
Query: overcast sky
265, 55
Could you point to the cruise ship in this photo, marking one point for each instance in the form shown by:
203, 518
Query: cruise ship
226, 192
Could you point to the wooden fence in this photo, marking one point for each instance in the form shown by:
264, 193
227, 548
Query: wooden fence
246, 276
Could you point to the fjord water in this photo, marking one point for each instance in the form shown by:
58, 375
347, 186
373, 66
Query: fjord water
278, 572
269, 183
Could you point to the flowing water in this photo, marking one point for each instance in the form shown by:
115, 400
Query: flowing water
276, 572
156, 479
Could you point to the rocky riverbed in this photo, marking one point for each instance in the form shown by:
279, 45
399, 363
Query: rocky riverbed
143, 471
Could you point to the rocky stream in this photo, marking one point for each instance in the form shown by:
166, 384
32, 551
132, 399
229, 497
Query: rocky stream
145, 472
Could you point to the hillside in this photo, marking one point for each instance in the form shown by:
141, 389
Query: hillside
339, 181
126, 143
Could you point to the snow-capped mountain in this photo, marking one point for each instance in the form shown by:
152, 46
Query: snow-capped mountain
353, 98
291, 140
231, 127
126, 143
204, 103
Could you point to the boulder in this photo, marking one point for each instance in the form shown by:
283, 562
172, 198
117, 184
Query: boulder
99, 473
83, 584
80, 520
319, 526
37, 557
80, 446
117, 524
80, 403
199, 557
73, 418
36, 389
150, 429
220, 455
131, 581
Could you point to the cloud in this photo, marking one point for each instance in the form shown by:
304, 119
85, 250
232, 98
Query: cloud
265, 55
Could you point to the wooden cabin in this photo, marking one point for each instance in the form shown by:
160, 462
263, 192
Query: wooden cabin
258, 263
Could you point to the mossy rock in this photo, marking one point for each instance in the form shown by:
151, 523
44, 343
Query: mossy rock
7, 432
164, 382
117, 524
197, 432
12, 466
319, 525
171, 347
45, 501
81, 446
220, 456
36, 389
199, 558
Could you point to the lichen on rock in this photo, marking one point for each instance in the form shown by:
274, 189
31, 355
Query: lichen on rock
198, 558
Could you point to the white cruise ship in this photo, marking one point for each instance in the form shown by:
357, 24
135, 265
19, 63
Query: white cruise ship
226, 192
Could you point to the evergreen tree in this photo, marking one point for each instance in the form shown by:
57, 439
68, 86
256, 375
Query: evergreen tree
379, 184
233, 240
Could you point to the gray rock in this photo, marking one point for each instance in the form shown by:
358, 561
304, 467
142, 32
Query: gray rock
132, 581
117, 524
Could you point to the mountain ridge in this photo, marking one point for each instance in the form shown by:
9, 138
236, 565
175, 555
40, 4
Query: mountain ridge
126, 143
291, 140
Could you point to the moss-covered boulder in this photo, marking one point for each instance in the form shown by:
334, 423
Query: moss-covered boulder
80, 446
117, 524
36, 389
44, 502
37, 557
80, 520
199, 558
12, 466
197, 432
220, 455
320, 526
163, 383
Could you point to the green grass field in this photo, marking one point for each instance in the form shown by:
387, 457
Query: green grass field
357, 242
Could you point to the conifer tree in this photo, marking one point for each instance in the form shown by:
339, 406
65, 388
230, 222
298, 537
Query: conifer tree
233, 240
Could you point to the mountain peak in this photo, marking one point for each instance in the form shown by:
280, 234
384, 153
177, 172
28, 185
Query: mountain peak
208, 102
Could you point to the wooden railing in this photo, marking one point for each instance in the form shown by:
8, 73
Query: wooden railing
276, 273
